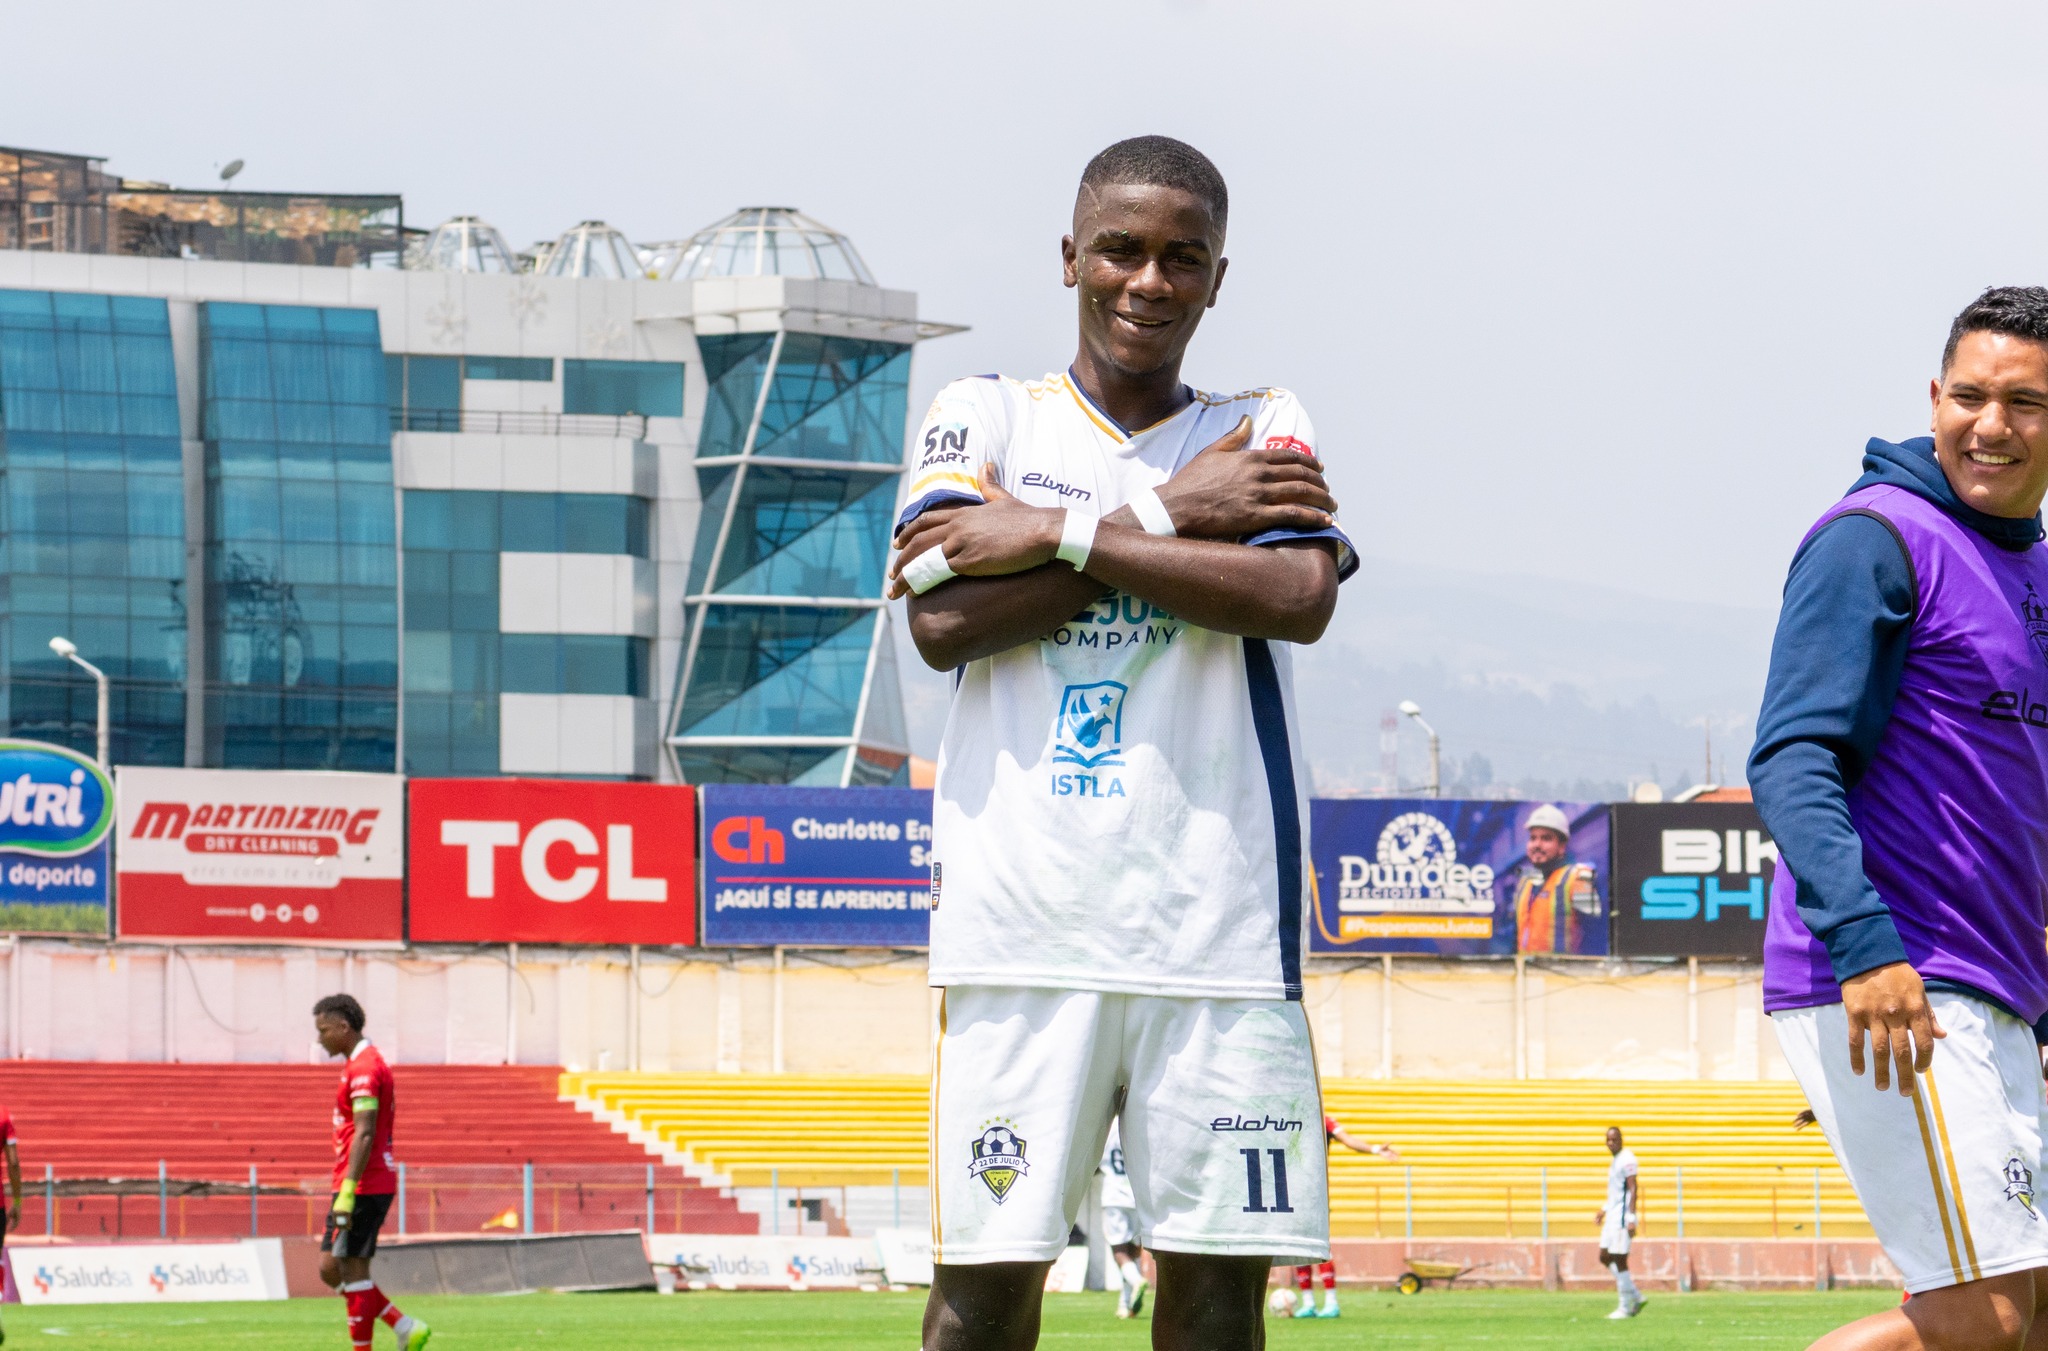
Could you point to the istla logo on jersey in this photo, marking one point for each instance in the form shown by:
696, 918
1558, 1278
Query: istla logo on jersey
1089, 735
998, 1158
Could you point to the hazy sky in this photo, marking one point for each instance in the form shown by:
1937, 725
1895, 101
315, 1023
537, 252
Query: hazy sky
1605, 292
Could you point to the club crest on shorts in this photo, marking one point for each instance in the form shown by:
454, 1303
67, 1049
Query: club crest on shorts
1091, 725
999, 1159
2019, 1184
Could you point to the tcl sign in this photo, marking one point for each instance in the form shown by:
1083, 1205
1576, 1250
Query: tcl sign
545, 861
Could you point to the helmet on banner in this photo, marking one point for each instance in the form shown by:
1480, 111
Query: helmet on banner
1548, 817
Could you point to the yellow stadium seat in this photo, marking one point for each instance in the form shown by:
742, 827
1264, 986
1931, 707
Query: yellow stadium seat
1478, 1158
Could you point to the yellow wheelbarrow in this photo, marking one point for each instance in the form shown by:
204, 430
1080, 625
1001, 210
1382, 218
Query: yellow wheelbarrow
1421, 1272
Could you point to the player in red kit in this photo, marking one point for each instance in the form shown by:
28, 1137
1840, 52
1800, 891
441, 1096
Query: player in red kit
1305, 1277
365, 1175
11, 1216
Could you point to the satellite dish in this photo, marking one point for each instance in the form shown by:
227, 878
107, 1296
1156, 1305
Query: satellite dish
234, 167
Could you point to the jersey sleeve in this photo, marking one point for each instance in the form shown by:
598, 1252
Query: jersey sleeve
1283, 424
964, 430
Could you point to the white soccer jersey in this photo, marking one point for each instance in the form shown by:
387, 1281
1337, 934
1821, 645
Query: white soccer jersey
1122, 805
1619, 1170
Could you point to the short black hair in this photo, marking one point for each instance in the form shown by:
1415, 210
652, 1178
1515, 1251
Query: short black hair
1162, 162
344, 1007
2021, 311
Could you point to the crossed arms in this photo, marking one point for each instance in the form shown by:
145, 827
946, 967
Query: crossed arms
1010, 591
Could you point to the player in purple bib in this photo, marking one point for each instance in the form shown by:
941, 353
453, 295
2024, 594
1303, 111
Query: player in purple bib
1902, 766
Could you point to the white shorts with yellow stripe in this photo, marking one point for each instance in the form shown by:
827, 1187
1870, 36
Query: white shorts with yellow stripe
1947, 1175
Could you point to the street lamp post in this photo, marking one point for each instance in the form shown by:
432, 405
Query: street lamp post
1409, 708
68, 650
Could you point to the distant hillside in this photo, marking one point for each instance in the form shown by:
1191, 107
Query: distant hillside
1538, 688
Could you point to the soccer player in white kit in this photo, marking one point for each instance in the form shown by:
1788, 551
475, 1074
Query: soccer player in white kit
1618, 1224
1120, 1227
1115, 565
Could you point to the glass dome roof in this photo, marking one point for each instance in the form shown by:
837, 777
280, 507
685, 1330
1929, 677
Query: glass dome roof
462, 244
591, 249
760, 241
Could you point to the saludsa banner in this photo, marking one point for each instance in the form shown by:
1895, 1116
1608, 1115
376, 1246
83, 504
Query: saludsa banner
823, 867
260, 856
1459, 877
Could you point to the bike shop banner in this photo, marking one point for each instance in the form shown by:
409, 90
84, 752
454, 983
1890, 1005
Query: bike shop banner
1691, 879
1459, 878
56, 812
552, 861
259, 856
818, 867
150, 1273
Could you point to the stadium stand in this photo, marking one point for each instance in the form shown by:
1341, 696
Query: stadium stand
1479, 1158
465, 1134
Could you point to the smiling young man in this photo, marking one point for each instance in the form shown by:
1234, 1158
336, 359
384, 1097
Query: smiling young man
1115, 565
1902, 766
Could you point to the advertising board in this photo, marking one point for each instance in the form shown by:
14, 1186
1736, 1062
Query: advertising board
1691, 879
745, 1262
823, 867
1452, 877
149, 1273
56, 813
259, 856
552, 861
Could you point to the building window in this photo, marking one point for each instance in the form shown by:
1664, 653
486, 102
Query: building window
649, 388
301, 555
92, 515
508, 368
527, 523
425, 392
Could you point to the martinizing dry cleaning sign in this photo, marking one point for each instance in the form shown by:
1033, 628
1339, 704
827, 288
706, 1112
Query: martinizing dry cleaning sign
56, 810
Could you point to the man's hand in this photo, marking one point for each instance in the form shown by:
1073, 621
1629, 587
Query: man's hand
992, 538
14, 1219
1228, 492
1890, 1003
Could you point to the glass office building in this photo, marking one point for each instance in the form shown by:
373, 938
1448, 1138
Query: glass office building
453, 518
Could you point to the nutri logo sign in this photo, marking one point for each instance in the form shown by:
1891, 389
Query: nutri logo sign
818, 867
253, 855
56, 811
551, 861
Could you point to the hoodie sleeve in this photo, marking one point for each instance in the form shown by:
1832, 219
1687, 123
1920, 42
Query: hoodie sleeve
1836, 662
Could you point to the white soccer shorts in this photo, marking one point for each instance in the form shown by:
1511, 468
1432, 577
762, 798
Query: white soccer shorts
1614, 1236
1119, 1225
1221, 1112
1947, 1175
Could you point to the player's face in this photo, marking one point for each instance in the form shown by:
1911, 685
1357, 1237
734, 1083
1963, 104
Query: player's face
1613, 1140
1147, 261
1991, 423
334, 1033
1546, 846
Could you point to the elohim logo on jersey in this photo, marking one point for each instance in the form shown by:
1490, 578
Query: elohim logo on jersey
1091, 725
2020, 705
999, 1158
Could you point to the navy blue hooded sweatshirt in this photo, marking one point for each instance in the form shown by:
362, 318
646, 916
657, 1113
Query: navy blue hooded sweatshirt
1836, 662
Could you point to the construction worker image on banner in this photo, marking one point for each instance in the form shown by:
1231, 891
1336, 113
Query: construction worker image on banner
1557, 904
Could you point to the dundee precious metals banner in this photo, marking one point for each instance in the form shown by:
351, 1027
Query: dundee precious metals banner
816, 867
1459, 878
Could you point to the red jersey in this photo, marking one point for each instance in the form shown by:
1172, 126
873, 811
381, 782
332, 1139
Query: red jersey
1329, 1128
366, 1076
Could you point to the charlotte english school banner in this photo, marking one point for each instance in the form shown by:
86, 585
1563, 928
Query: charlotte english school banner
817, 867
1459, 878
260, 856
56, 812
1691, 879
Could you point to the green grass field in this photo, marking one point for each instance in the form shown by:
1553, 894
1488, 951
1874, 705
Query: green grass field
712, 1322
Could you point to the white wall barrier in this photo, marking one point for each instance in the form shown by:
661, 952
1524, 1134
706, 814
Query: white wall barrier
740, 1262
154, 1273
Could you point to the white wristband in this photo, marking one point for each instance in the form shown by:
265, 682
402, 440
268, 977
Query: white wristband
927, 570
1077, 537
1152, 513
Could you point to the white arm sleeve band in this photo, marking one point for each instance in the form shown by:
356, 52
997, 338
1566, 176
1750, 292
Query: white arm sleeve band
1152, 513
1077, 538
927, 570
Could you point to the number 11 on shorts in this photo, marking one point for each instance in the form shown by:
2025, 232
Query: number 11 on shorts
1255, 1183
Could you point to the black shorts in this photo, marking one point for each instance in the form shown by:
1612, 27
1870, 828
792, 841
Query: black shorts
359, 1239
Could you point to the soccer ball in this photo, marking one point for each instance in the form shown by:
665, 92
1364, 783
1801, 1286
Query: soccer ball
1282, 1302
